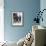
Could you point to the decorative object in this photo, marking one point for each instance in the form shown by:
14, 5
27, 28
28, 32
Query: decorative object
39, 16
17, 18
26, 41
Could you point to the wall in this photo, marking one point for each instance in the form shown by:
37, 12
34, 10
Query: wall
43, 6
1, 20
29, 8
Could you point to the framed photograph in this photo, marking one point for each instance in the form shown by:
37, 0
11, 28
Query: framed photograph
17, 18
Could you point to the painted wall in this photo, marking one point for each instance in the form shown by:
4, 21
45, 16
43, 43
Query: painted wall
29, 8
43, 6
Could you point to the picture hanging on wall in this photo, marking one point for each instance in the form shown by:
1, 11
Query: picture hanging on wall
17, 18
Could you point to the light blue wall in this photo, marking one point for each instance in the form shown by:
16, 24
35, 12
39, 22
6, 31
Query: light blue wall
29, 7
43, 6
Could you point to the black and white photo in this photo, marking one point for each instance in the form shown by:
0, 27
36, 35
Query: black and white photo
17, 18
